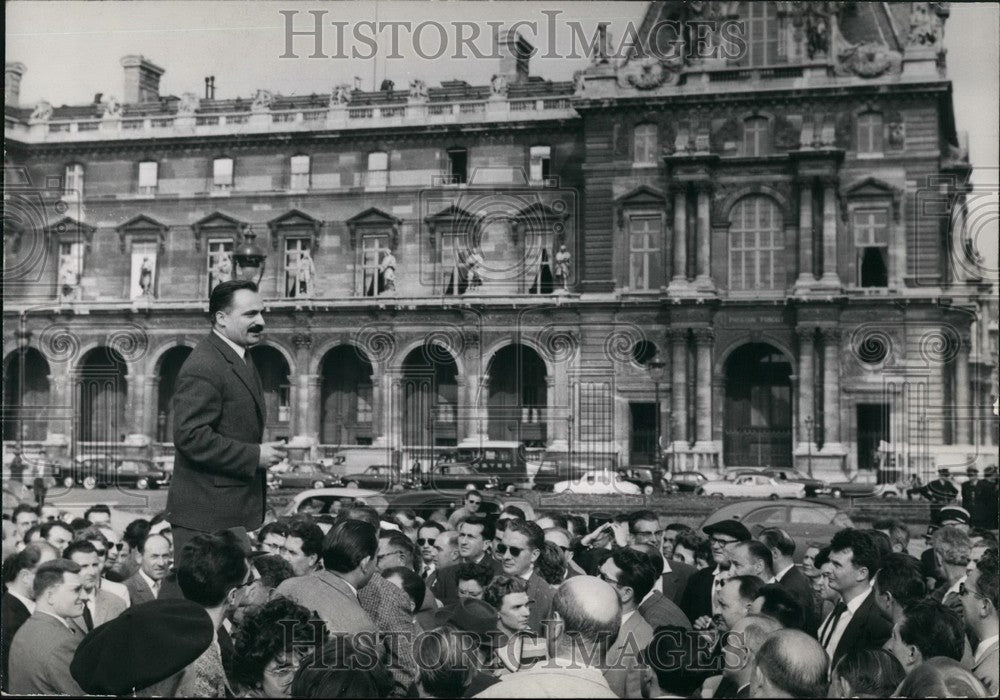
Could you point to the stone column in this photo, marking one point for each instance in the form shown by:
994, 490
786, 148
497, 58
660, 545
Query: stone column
704, 339
963, 404
307, 407
831, 387
462, 413
560, 410
704, 279
680, 238
136, 403
378, 402
806, 276
393, 390
61, 415
830, 277
678, 344
807, 382
152, 412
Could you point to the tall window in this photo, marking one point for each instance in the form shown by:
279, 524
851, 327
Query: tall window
300, 173
755, 244
73, 181
645, 144
756, 140
870, 132
378, 171
452, 253
363, 412
761, 33
297, 276
220, 261
458, 165
222, 174
149, 171
374, 249
539, 163
645, 234
871, 239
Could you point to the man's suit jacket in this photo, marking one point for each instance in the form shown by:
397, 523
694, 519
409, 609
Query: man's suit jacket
332, 599
676, 580
541, 594
624, 672
659, 610
799, 585
139, 591
40, 655
389, 607
13, 614
445, 584
107, 606
218, 427
868, 628
697, 598
988, 669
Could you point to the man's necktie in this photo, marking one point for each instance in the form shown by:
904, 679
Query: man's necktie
88, 619
838, 610
156, 589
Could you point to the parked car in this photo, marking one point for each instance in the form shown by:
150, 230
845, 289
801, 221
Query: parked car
424, 503
862, 489
804, 521
304, 475
103, 471
644, 478
598, 482
330, 500
483, 464
813, 486
687, 482
559, 465
379, 477
752, 486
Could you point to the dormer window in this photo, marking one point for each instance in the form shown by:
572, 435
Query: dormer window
222, 174
378, 171
148, 176
299, 166
645, 146
756, 137
870, 133
539, 163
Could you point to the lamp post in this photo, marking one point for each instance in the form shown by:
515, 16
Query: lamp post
656, 368
249, 258
809, 444
23, 338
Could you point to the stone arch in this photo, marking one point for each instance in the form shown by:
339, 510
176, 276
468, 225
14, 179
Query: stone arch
718, 367
156, 357
347, 395
758, 406
725, 206
316, 359
29, 400
399, 358
499, 345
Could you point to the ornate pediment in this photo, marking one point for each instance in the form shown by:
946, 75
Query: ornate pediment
871, 188
145, 227
642, 197
295, 219
68, 229
450, 219
216, 222
373, 219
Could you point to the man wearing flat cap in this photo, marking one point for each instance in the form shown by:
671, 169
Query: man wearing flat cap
703, 584
941, 489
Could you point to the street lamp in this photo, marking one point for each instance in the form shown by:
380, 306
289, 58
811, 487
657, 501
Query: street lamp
809, 445
656, 368
249, 258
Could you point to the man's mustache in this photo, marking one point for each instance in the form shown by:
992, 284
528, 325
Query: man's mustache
255, 329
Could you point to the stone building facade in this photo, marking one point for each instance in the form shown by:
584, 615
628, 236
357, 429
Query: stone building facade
751, 252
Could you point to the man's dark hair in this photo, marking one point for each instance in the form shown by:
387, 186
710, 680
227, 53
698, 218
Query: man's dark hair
413, 585
273, 569
365, 514
81, 546
436, 525
689, 539
882, 542
444, 663
78, 524
23, 508
677, 527
310, 534
637, 571
749, 586
898, 532
209, 566
865, 551
221, 298
558, 519
272, 528
536, 538
51, 574
99, 508
900, 576
989, 577
872, 673
480, 573
347, 544
136, 533
822, 557
758, 550
25, 560
551, 565
672, 658
31, 532
776, 538
782, 605
501, 586
638, 515
488, 525
51, 525
91, 534
471, 492
934, 629
515, 511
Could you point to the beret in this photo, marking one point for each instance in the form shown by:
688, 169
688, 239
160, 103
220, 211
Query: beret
474, 616
144, 645
730, 527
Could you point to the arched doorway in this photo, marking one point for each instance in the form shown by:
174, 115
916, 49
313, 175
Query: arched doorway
346, 394
518, 396
758, 408
273, 370
429, 392
101, 394
170, 367
25, 395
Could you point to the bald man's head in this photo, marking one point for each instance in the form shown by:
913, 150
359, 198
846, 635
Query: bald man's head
741, 647
590, 611
790, 664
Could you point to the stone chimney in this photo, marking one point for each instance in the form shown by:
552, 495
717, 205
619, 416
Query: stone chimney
142, 80
12, 83
514, 53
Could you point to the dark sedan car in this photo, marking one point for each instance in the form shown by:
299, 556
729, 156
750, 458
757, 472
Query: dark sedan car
379, 477
813, 486
425, 503
102, 472
306, 475
686, 482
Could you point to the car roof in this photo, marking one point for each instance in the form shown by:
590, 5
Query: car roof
741, 509
336, 492
474, 443
410, 499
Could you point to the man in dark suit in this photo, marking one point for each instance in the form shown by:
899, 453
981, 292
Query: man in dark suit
969, 492
790, 576
656, 608
703, 584
155, 556
521, 546
18, 602
645, 529
856, 622
220, 463
474, 534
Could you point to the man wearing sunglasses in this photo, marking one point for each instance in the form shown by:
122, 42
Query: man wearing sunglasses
426, 539
705, 583
518, 551
645, 529
979, 607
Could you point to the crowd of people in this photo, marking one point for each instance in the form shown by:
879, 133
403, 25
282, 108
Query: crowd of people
354, 603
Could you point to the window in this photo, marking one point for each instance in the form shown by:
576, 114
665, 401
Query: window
284, 402
73, 182
378, 171
300, 173
458, 165
220, 261
645, 234
871, 238
222, 174
452, 255
539, 163
645, 146
761, 34
364, 407
870, 132
755, 244
755, 137
148, 176
70, 265
297, 277
374, 251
